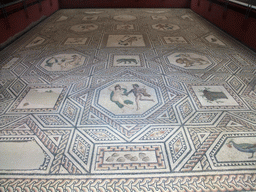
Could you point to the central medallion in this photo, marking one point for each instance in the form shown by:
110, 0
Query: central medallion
128, 99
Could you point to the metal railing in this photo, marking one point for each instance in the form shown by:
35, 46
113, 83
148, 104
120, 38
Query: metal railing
242, 6
15, 6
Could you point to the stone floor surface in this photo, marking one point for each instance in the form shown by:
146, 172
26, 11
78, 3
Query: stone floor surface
127, 100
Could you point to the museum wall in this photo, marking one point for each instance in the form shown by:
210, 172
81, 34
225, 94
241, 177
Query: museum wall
124, 4
234, 22
231, 21
18, 22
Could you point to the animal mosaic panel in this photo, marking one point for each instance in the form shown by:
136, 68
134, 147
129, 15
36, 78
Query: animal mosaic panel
127, 100
165, 27
125, 41
189, 60
62, 62
75, 41
124, 17
170, 40
125, 27
84, 27
126, 61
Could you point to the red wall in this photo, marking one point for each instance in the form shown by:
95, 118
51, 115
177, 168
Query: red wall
230, 21
124, 3
20, 20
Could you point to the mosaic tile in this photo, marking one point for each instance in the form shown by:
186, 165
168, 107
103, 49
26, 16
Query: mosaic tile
127, 100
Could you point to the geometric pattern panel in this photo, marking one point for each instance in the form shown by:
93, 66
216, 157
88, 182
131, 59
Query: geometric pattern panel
81, 150
157, 133
185, 109
250, 116
52, 120
203, 118
70, 111
178, 148
17, 87
101, 134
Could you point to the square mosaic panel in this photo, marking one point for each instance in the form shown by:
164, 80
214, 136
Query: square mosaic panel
125, 41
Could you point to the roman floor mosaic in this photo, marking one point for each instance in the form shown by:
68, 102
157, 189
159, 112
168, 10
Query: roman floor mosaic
127, 100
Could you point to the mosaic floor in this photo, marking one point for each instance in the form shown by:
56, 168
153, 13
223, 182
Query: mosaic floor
127, 100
